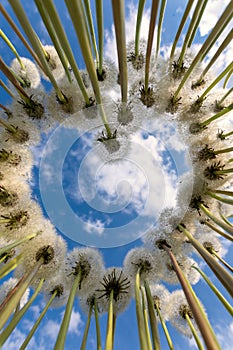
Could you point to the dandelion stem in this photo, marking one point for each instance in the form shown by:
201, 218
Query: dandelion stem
204, 3
219, 198
13, 49
216, 116
145, 317
7, 90
109, 333
86, 330
165, 330
17, 317
227, 78
160, 24
222, 260
11, 265
97, 326
100, 26
60, 342
225, 96
195, 335
91, 28
141, 4
17, 242
219, 231
225, 303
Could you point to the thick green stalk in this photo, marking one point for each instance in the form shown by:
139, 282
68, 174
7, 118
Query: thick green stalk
145, 317
204, 3
227, 78
19, 291
225, 150
218, 231
11, 265
219, 198
152, 317
91, 28
194, 333
224, 277
52, 33
36, 44
13, 49
216, 116
227, 193
153, 16
141, 4
181, 26
198, 313
119, 23
86, 330
222, 261
165, 330
17, 317
97, 326
225, 226
139, 312
17, 243
60, 342
100, 26
160, 25
227, 14
109, 332
225, 303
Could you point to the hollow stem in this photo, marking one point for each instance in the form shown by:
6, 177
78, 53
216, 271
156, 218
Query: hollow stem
11, 265
230, 238
7, 90
225, 96
204, 3
86, 330
227, 78
139, 312
160, 24
13, 49
109, 333
18, 316
219, 198
225, 303
165, 330
6, 110
17, 242
145, 316
100, 26
194, 333
91, 29
97, 326
216, 116
141, 4
60, 342
222, 260
153, 16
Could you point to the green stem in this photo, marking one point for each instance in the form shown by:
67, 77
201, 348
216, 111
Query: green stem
194, 333
11, 265
165, 330
153, 16
225, 150
86, 330
224, 277
97, 326
181, 26
152, 317
198, 312
222, 261
19, 291
160, 24
218, 231
227, 193
17, 242
227, 78
204, 3
100, 26
60, 342
139, 312
91, 28
7, 90
13, 49
119, 23
225, 96
17, 317
141, 4
219, 198
109, 333
225, 303
145, 317
216, 116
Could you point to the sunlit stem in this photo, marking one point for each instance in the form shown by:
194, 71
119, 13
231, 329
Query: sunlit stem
53, 15
216, 220
38, 321
225, 219
194, 333
224, 277
227, 14
204, 3
165, 330
141, 4
17, 243
10, 303
216, 81
11, 265
86, 330
60, 342
36, 44
227, 193
195, 306
13, 49
118, 8
189, 31
20, 35
222, 47
219, 198
97, 326
225, 96
181, 26
100, 26
7, 125
8, 113
230, 238
160, 24
91, 28
152, 317
145, 316
216, 116
153, 16
213, 252
139, 312
225, 303
7, 90
227, 78
109, 332
18, 316
224, 171
53, 36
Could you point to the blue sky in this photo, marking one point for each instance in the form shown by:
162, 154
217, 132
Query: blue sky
95, 223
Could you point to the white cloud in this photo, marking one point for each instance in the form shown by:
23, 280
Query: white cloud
94, 227
225, 335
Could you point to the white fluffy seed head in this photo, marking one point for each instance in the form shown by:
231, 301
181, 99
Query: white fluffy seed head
30, 74
160, 296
